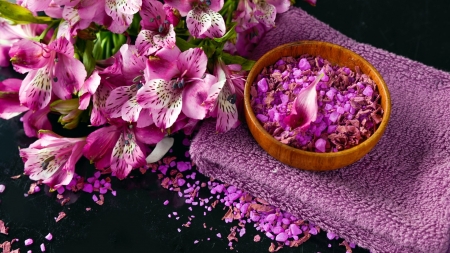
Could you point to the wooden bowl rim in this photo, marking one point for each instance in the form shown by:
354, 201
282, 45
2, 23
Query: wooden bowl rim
251, 115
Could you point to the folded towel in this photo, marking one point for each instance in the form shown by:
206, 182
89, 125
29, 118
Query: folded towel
395, 199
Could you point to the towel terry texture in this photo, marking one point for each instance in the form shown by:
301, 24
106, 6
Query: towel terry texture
397, 198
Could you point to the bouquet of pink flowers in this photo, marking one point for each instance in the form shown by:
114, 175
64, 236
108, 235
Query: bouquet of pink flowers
135, 70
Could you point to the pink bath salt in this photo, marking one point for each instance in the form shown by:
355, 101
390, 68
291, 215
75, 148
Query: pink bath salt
196, 241
183, 166
97, 184
181, 181
270, 235
334, 116
97, 174
166, 202
313, 231
186, 142
303, 64
352, 245
271, 217
277, 230
49, 237
107, 185
281, 237
179, 230
368, 91
29, 251
163, 168
37, 188
295, 230
103, 190
88, 188
186, 154
114, 193
263, 118
320, 145
90, 180
94, 198
42, 247
60, 190
28, 242
219, 235
331, 235
262, 85
173, 164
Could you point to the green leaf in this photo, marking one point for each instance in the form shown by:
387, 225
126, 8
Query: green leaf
183, 45
19, 14
234, 59
98, 49
231, 33
88, 57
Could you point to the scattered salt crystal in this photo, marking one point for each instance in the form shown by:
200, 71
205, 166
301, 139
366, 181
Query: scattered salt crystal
183, 166
28, 242
88, 188
113, 193
179, 230
352, 245
368, 91
25, 195
181, 181
97, 174
186, 154
42, 247
172, 164
194, 203
90, 180
169, 215
49, 237
196, 241
331, 235
177, 218
320, 145
37, 189
166, 202
190, 208
175, 213
103, 190
96, 184
94, 198
219, 235
329, 245
281, 237
270, 235
29, 251
313, 231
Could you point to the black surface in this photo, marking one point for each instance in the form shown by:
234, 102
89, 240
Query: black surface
136, 220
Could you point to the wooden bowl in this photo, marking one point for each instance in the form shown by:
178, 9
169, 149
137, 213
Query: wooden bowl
308, 160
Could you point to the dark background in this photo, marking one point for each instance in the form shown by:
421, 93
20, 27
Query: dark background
136, 220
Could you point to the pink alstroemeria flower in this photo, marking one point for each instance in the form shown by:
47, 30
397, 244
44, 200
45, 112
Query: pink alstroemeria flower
203, 19
157, 29
10, 107
52, 69
120, 146
52, 158
176, 82
9, 98
225, 97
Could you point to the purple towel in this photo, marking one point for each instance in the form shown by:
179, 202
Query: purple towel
395, 199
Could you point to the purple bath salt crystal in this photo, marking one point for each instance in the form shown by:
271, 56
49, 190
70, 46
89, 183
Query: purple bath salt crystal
231, 189
285, 221
340, 98
262, 85
103, 190
368, 91
328, 107
352, 245
295, 230
320, 145
347, 107
331, 235
96, 184
219, 188
233, 196
340, 110
270, 235
49, 237
28, 242
334, 116
297, 73
313, 230
281, 237
97, 174
60, 190
91, 180
163, 168
42, 247
271, 217
183, 166
172, 164
303, 64
261, 117
166, 202
284, 99
278, 229
37, 189
94, 198
181, 181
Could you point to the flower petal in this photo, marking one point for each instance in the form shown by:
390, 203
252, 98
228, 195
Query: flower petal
119, 166
100, 144
183, 6
68, 77
152, 14
166, 116
163, 66
281, 5
145, 43
133, 154
227, 114
62, 46
118, 97
98, 114
217, 28
36, 89
161, 148
88, 88
198, 22
131, 110
35, 121
27, 55
266, 14
36, 5
155, 94
166, 40
193, 97
9, 98
149, 135
192, 63
145, 118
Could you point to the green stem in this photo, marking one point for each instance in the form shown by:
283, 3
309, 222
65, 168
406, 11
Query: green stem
47, 29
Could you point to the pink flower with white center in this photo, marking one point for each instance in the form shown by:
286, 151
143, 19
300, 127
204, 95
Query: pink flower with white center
225, 97
157, 30
13, 33
203, 19
250, 13
248, 39
121, 12
120, 146
52, 158
176, 82
52, 69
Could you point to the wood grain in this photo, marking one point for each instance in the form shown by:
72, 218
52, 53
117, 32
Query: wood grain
311, 160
